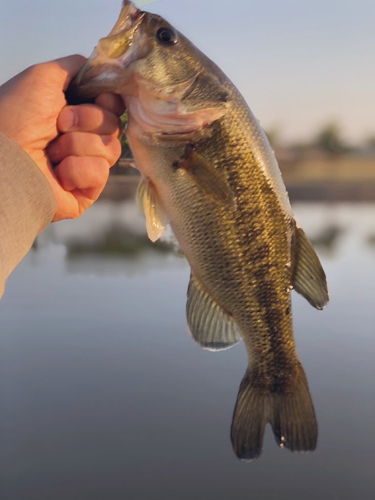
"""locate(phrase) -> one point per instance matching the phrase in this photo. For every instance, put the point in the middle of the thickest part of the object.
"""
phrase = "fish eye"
(166, 36)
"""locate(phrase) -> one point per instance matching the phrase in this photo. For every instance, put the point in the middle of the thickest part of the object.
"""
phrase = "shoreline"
(336, 180)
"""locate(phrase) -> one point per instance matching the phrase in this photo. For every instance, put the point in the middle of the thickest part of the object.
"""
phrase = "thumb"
(69, 66)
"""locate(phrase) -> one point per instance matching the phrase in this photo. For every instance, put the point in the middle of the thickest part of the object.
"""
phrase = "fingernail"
(68, 119)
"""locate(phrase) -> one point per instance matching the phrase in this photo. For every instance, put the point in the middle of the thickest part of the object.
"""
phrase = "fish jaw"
(107, 69)
(128, 13)
(115, 46)
(135, 59)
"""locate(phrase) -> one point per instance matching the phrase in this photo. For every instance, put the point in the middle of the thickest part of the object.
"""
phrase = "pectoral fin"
(156, 220)
(208, 179)
(309, 278)
(210, 326)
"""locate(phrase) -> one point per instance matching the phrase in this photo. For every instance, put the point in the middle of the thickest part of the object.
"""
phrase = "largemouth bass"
(209, 171)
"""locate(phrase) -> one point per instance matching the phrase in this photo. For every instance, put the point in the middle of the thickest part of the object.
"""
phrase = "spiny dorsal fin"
(156, 219)
(210, 326)
(309, 278)
(208, 178)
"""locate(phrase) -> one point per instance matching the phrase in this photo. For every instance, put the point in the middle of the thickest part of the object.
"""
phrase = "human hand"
(74, 146)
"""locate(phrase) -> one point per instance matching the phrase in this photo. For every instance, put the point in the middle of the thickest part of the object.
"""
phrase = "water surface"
(104, 395)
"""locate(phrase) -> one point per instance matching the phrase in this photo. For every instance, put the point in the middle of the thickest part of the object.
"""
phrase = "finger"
(88, 118)
(83, 173)
(111, 102)
(84, 144)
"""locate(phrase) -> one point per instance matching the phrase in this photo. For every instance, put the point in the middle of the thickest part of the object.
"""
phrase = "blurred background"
(305, 68)
(103, 394)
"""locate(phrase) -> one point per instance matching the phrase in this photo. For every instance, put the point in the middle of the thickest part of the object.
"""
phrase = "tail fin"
(291, 414)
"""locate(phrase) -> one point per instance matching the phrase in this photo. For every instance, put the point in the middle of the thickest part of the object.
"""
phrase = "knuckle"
(79, 58)
(102, 119)
(115, 150)
(102, 170)
(97, 117)
(85, 143)
(68, 163)
(103, 165)
(96, 172)
(35, 72)
(69, 144)
(31, 70)
(66, 170)
(69, 141)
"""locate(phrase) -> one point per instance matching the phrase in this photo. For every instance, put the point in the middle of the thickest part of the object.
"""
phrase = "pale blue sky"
(299, 63)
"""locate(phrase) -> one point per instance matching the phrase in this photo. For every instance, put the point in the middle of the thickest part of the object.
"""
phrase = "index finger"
(88, 118)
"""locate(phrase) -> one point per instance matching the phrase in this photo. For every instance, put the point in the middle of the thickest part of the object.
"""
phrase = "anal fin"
(210, 325)
(309, 278)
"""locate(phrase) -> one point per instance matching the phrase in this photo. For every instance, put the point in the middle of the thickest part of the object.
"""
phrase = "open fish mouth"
(129, 13)
(112, 55)
(121, 36)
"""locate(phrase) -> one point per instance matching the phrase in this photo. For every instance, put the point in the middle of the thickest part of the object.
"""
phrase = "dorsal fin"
(210, 325)
(309, 278)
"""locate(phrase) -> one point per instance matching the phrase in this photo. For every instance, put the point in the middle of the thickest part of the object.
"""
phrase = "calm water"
(104, 395)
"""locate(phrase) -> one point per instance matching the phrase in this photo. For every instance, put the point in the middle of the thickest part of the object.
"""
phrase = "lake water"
(104, 395)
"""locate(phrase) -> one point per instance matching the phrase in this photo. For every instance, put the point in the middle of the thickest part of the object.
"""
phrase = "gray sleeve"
(27, 205)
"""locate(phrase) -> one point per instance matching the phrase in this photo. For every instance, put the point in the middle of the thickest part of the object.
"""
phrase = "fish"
(209, 172)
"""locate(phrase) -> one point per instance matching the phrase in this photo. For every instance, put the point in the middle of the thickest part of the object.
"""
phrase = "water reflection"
(115, 228)
(328, 240)
(114, 232)
(117, 242)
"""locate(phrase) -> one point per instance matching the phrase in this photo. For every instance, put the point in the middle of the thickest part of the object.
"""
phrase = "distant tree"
(329, 139)
(370, 142)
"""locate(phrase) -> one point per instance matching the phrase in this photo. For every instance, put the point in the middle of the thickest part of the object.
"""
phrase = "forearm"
(27, 205)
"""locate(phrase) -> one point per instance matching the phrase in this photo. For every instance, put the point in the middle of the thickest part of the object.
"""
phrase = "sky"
(299, 63)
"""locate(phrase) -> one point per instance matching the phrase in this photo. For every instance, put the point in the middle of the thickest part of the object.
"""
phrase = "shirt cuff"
(27, 205)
